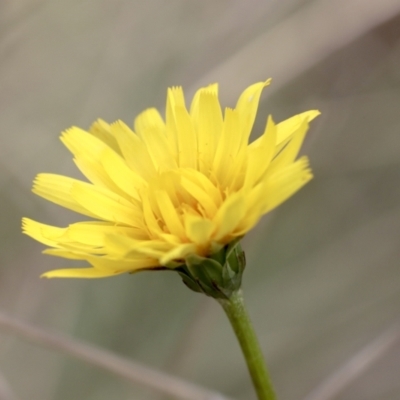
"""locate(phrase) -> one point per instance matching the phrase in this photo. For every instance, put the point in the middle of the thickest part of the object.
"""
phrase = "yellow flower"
(170, 189)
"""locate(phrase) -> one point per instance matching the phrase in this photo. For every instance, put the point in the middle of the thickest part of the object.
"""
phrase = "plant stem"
(241, 324)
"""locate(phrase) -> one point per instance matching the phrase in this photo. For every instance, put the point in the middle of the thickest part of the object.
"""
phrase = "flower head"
(170, 190)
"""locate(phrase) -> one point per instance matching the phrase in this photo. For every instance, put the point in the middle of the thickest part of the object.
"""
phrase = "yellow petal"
(229, 216)
(208, 122)
(74, 250)
(178, 253)
(102, 131)
(119, 265)
(201, 196)
(151, 223)
(79, 142)
(247, 106)
(123, 177)
(194, 106)
(58, 238)
(152, 130)
(149, 118)
(236, 173)
(229, 145)
(70, 254)
(290, 152)
(106, 204)
(80, 273)
(87, 150)
(203, 182)
(175, 98)
(128, 248)
(92, 233)
(187, 141)
(198, 229)
(134, 150)
(169, 214)
(260, 154)
(284, 184)
(170, 182)
(57, 189)
(255, 200)
(41, 232)
(287, 127)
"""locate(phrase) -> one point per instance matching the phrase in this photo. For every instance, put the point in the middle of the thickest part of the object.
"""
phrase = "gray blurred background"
(322, 282)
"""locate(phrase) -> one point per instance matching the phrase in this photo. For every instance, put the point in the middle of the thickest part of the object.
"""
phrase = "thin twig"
(353, 368)
(6, 392)
(109, 361)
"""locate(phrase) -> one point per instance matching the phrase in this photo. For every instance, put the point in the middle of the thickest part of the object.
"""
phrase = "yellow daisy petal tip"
(313, 114)
(173, 189)
(87, 273)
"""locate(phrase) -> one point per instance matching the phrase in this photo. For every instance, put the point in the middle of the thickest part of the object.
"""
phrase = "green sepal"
(218, 275)
(189, 282)
(236, 257)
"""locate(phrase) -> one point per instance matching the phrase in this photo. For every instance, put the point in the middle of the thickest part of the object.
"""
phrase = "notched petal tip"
(73, 130)
(99, 123)
(268, 82)
(311, 114)
(36, 181)
(24, 223)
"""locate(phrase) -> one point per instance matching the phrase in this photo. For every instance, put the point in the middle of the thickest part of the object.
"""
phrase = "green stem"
(240, 321)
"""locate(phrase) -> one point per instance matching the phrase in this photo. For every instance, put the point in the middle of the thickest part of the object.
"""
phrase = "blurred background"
(322, 282)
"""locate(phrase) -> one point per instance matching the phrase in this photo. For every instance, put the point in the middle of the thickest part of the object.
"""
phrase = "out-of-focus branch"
(353, 368)
(6, 392)
(109, 361)
(298, 43)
